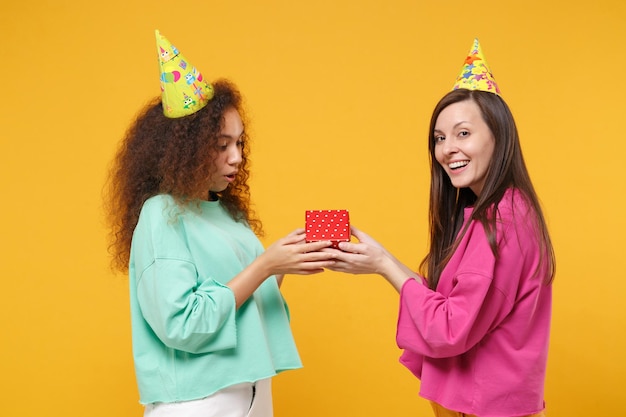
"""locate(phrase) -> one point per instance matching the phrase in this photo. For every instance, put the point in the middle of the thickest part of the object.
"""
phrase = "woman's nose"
(449, 147)
(234, 156)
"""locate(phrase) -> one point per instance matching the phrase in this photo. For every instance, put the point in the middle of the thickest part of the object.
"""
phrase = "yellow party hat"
(476, 74)
(184, 91)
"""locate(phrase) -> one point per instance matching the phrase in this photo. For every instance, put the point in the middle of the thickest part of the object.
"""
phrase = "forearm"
(248, 280)
(395, 272)
(406, 270)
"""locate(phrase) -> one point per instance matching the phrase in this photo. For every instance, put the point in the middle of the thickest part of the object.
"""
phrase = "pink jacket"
(479, 343)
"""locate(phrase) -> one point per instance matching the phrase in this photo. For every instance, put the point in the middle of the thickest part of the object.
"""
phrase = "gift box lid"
(333, 225)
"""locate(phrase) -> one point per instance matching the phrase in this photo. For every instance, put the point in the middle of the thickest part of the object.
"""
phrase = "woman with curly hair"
(209, 324)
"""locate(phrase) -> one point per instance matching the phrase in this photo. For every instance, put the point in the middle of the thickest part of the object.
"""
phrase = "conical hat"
(183, 88)
(475, 74)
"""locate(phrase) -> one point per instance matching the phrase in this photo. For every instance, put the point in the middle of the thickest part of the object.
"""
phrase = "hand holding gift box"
(332, 225)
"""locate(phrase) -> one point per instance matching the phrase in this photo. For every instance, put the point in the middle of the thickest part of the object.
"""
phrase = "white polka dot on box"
(333, 225)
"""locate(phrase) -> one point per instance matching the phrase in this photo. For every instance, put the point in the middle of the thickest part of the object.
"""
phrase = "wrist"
(260, 268)
(387, 267)
(395, 275)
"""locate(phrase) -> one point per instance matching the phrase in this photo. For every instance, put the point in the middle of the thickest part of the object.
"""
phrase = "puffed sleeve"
(466, 305)
(185, 317)
(185, 311)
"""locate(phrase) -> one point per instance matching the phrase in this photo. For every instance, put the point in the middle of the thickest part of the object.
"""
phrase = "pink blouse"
(479, 343)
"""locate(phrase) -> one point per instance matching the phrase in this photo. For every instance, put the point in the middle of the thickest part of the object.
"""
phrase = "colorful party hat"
(476, 74)
(184, 91)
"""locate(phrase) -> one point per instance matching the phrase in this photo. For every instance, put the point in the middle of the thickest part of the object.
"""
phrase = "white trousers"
(241, 400)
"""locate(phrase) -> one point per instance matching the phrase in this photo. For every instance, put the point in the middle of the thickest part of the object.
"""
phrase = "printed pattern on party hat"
(183, 88)
(475, 74)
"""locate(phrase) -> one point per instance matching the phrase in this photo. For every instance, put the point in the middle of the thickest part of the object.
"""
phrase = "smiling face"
(228, 152)
(464, 145)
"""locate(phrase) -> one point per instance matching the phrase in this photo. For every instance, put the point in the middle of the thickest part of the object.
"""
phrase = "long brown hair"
(506, 170)
(160, 155)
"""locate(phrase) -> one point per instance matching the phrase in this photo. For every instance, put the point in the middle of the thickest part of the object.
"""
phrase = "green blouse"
(189, 340)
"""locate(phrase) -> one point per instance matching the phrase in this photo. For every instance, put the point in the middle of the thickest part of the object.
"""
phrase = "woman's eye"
(439, 138)
(464, 133)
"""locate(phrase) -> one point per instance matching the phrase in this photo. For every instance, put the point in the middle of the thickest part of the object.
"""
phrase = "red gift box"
(333, 225)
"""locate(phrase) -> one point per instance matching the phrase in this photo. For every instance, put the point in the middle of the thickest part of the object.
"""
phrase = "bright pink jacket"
(479, 343)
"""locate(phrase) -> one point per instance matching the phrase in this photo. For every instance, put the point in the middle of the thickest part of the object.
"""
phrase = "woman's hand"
(369, 257)
(365, 257)
(367, 239)
(292, 255)
(289, 255)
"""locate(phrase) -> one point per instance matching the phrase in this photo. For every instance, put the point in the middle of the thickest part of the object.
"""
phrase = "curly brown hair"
(160, 155)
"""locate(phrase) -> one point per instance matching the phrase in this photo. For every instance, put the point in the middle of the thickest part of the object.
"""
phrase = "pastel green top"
(189, 340)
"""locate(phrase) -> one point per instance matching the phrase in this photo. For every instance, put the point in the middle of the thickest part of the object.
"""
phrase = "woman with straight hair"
(474, 323)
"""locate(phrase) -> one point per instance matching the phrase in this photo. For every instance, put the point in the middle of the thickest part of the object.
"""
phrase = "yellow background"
(340, 94)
